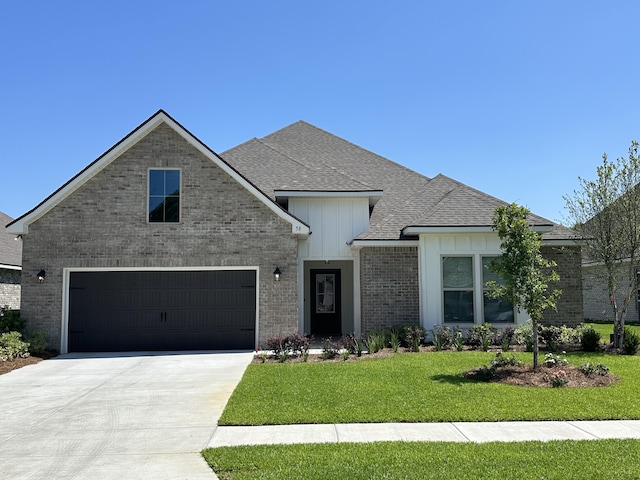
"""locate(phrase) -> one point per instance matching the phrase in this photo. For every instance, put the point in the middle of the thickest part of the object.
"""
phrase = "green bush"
(330, 349)
(590, 369)
(481, 335)
(12, 346)
(376, 341)
(523, 335)
(551, 337)
(442, 337)
(37, 342)
(414, 336)
(11, 321)
(631, 342)
(590, 340)
(285, 346)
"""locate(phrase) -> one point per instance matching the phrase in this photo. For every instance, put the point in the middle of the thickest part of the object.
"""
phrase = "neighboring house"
(162, 244)
(10, 265)
(597, 303)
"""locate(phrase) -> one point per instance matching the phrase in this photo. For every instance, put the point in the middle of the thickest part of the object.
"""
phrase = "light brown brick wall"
(389, 287)
(10, 288)
(104, 224)
(596, 300)
(569, 268)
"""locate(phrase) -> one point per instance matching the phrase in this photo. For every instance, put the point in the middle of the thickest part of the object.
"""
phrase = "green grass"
(594, 459)
(606, 329)
(425, 387)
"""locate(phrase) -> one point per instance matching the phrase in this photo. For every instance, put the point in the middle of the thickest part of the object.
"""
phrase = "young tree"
(525, 272)
(606, 212)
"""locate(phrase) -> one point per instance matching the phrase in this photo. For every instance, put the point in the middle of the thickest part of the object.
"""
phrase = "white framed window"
(495, 310)
(458, 289)
(164, 195)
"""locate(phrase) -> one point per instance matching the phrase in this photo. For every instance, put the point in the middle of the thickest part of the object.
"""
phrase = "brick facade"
(569, 268)
(104, 224)
(10, 288)
(597, 304)
(389, 287)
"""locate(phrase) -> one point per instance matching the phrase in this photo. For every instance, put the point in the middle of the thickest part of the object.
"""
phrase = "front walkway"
(425, 432)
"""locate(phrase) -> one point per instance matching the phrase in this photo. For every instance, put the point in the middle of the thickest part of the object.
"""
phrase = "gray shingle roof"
(10, 249)
(304, 157)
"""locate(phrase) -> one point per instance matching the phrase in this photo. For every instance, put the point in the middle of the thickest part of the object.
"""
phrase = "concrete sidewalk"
(425, 432)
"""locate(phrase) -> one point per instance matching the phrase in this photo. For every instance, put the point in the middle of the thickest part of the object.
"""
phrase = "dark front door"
(326, 315)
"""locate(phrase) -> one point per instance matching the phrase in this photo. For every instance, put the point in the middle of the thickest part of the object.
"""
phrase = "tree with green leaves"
(606, 212)
(526, 274)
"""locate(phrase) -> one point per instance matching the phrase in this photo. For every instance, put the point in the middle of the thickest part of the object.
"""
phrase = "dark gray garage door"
(162, 310)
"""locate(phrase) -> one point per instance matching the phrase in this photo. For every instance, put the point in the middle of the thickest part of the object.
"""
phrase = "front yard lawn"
(422, 387)
(592, 459)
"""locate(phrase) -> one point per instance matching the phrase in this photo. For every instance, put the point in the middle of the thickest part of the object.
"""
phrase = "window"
(496, 310)
(457, 286)
(164, 196)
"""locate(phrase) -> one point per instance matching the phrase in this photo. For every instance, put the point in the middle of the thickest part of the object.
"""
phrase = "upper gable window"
(164, 196)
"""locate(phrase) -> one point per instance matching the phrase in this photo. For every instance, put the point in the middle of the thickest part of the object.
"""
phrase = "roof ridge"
(273, 147)
(315, 127)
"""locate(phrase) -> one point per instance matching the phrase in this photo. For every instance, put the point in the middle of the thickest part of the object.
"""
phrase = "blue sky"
(515, 98)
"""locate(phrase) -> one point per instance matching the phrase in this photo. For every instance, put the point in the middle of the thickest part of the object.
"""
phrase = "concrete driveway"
(115, 416)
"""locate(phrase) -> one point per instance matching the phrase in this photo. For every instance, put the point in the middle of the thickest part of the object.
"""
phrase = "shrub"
(590, 339)
(442, 337)
(458, 340)
(485, 374)
(414, 336)
(559, 379)
(523, 335)
(553, 360)
(330, 349)
(571, 336)
(631, 342)
(12, 346)
(590, 369)
(352, 343)
(376, 341)
(395, 341)
(10, 320)
(503, 360)
(551, 337)
(504, 338)
(481, 335)
(284, 346)
(37, 342)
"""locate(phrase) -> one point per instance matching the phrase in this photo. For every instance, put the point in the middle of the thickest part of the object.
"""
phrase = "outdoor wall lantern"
(41, 275)
(276, 274)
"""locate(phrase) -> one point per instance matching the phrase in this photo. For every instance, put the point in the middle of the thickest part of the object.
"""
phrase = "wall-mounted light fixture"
(276, 274)
(41, 275)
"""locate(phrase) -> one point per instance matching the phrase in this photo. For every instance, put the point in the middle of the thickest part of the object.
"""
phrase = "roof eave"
(418, 229)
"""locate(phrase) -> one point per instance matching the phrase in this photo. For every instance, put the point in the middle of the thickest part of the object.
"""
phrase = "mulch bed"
(522, 375)
(6, 367)
(525, 376)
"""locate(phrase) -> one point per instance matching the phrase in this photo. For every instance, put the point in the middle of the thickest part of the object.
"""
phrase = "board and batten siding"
(334, 222)
(432, 249)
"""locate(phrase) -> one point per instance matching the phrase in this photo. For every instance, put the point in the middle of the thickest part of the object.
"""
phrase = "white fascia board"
(297, 226)
(10, 267)
(372, 195)
(21, 226)
(357, 244)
